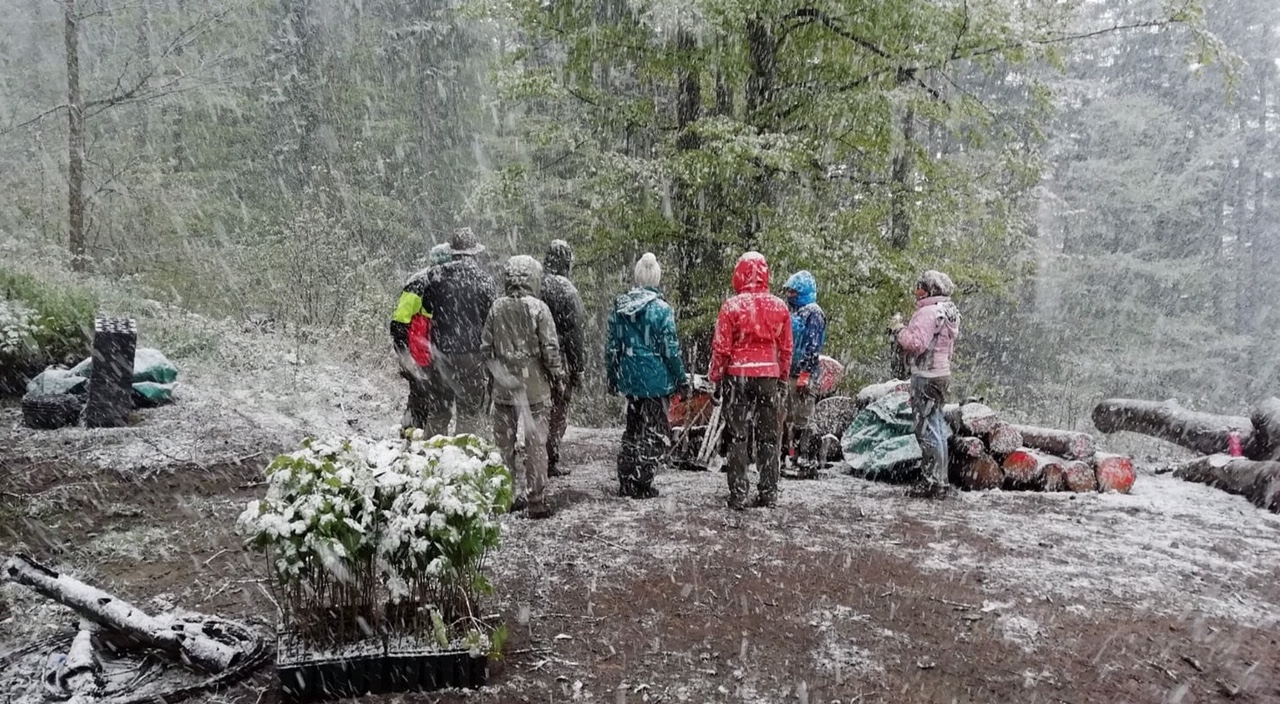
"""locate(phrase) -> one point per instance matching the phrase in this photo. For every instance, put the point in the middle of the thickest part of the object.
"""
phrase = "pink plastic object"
(1233, 444)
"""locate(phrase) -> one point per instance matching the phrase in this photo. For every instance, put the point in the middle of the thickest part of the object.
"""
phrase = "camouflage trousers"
(752, 422)
(529, 477)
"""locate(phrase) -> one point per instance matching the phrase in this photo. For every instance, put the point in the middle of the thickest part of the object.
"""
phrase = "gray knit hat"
(936, 283)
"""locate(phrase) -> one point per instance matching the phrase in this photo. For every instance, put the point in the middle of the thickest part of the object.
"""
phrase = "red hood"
(751, 275)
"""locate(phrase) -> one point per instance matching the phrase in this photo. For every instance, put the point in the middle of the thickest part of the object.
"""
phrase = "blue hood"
(805, 286)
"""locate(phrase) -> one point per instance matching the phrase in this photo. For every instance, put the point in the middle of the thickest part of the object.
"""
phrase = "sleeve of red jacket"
(785, 345)
(721, 345)
(915, 337)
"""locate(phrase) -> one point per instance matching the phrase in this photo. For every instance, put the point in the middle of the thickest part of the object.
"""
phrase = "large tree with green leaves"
(861, 140)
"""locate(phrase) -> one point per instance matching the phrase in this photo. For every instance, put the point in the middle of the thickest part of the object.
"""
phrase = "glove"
(895, 324)
(575, 380)
(409, 370)
(802, 384)
(717, 394)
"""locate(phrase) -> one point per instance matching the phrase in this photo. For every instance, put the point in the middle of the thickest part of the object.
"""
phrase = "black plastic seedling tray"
(303, 680)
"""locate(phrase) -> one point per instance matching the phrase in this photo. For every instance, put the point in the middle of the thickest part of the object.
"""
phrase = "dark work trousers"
(424, 400)
(557, 423)
(460, 379)
(644, 444)
(752, 420)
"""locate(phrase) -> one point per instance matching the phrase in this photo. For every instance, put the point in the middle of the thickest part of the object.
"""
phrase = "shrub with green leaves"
(389, 537)
(42, 323)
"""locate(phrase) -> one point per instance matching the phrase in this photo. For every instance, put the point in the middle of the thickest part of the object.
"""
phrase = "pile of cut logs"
(1242, 454)
(988, 453)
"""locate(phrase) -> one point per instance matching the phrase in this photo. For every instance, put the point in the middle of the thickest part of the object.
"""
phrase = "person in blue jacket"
(642, 362)
(809, 332)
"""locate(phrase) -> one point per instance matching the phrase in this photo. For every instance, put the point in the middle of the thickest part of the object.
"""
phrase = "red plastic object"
(1234, 447)
(693, 411)
(829, 374)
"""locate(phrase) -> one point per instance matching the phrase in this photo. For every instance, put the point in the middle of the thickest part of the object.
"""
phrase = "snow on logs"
(971, 466)
(987, 452)
(1257, 481)
(1114, 472)
(1067, 444)
(1004, 438)
(1078, 476)
(188, 647)
(1205, 433)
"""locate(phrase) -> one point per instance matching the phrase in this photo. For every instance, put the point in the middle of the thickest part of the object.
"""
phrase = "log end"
(1079, 477)
(1115, 473)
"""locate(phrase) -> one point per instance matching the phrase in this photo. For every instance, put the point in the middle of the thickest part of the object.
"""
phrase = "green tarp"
(879, 443)
(153, 378)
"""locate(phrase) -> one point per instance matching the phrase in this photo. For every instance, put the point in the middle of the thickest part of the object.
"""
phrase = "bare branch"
(809, 15)
(140, 88)
(32, 121)
(975, 52)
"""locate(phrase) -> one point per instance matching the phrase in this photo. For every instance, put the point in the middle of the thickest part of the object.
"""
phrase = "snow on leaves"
(417, 516)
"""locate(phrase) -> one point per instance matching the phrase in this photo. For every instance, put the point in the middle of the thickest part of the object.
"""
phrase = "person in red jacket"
(750, 361)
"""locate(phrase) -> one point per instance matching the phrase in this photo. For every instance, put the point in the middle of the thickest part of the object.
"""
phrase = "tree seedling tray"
(376, 670)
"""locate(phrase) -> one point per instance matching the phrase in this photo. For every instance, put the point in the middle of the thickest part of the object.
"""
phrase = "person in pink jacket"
(927, 341)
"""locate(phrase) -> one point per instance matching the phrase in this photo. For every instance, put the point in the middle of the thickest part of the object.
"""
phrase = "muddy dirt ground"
(847, 592)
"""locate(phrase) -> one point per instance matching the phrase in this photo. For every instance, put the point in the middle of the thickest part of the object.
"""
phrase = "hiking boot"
(557, 472)
(766, 502)
(807, 469)
(648, 492)
(518, 505)
(929, 490)
(737, 504)
(539, 512)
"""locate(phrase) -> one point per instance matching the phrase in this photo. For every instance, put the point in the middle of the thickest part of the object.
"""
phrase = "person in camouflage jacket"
(519, 345)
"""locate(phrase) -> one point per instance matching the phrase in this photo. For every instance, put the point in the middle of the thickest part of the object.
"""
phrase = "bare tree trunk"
(142, 137)
(762, 46)
(902, 184)
(75, 139)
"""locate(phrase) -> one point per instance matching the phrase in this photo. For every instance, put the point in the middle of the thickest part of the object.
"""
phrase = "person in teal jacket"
(642, 362)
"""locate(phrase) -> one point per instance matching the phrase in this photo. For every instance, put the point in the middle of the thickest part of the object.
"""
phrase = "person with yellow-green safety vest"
(411, 340)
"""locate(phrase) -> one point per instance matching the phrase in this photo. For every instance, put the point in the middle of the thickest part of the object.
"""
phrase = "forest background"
(1095, 175)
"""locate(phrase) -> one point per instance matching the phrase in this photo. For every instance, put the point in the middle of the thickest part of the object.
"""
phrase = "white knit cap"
(648, 272)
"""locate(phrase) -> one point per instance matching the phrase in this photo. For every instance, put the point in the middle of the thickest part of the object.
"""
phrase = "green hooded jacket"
(519, 338)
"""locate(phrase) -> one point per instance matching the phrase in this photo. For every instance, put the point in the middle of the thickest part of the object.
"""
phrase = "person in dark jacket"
(927, 341)
(459, 295)
(411, 340)
(561, 296)
(808, 333)
(520, 347)
(642, 362)
(750, 359)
